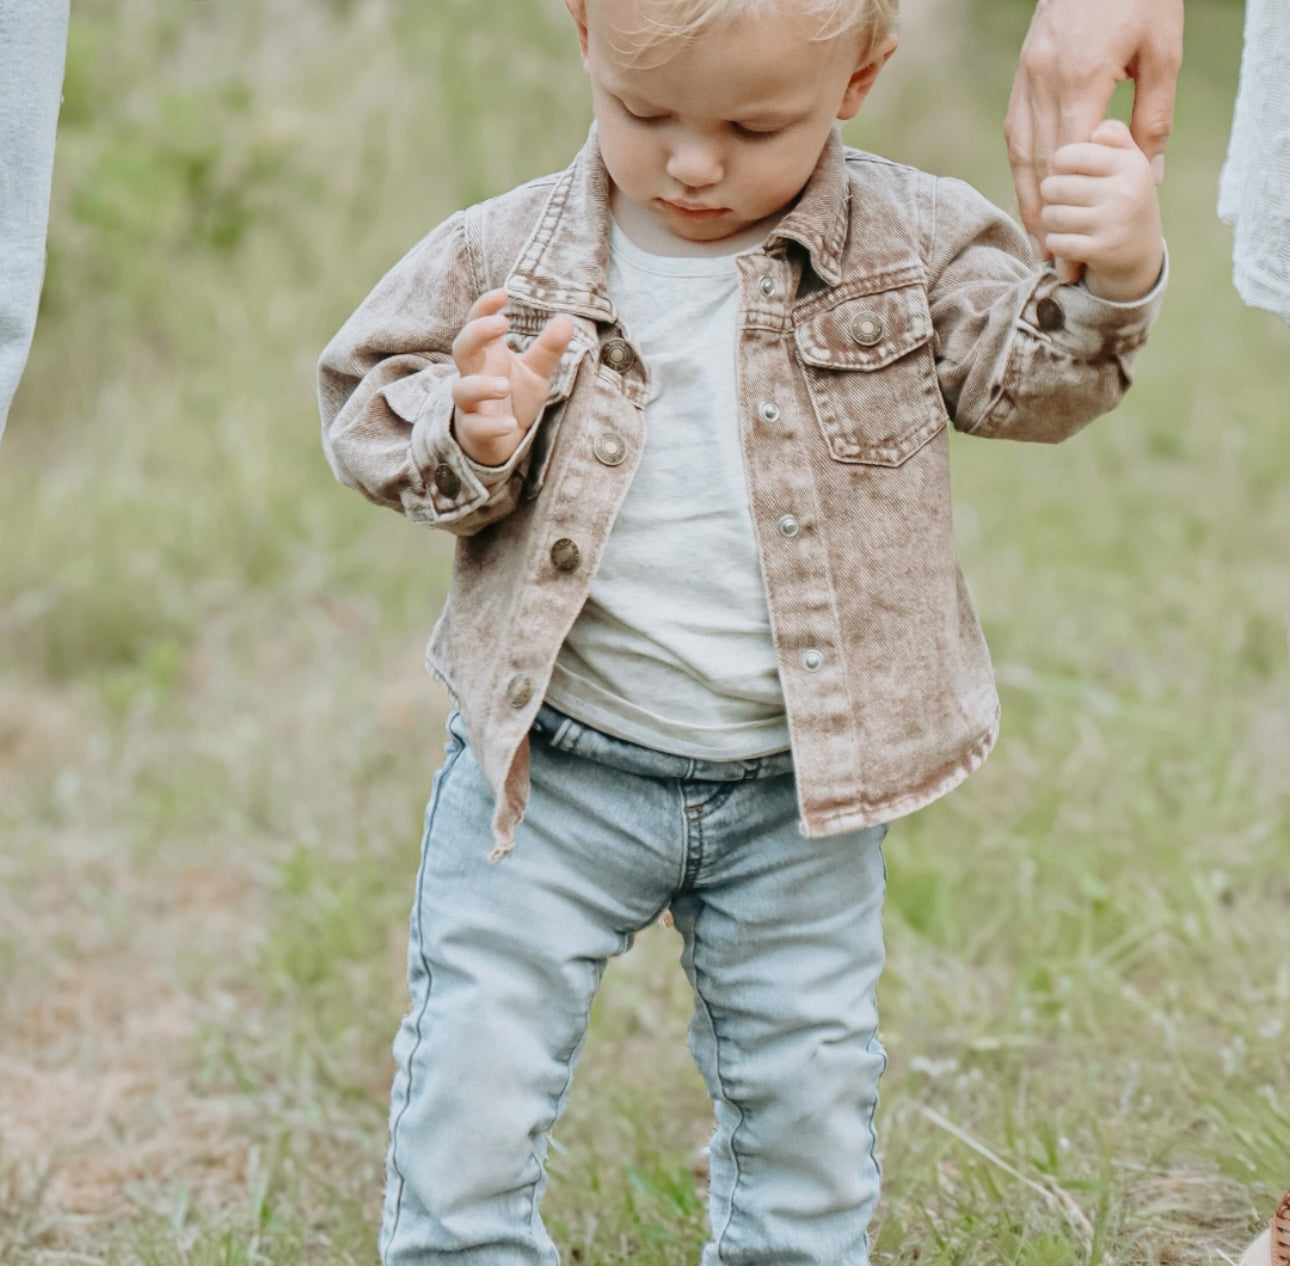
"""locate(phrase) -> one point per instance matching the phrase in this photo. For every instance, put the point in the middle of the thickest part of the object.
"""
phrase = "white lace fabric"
(1254, 195)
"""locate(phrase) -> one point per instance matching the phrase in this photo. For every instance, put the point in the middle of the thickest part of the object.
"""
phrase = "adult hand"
(1074, 55)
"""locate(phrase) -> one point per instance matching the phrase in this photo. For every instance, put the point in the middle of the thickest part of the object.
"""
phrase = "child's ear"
(578, 12)
(862, 79)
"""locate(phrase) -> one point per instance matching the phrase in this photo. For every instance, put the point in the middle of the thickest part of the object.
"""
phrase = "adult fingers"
(1019, 130)
(1153, 103)
(1052, 105)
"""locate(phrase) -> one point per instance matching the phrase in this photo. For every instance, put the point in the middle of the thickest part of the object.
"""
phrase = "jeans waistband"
(567, 735)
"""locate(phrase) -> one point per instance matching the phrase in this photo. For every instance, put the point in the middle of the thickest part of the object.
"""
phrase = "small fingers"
(543, 354)
(1072, 191)
(470, 345)
(489, 302)
(1070, 247)
(473, 390)
(1114, 133)
(487, 438)
(480, 429)
(1087, 158)
(1059, 218)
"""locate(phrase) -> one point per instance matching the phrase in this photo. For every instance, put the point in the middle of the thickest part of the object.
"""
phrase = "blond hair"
(664, 21)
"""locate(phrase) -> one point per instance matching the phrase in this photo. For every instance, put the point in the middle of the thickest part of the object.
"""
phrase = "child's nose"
(694, 164)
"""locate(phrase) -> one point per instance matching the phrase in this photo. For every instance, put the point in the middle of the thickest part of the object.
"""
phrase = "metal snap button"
(812, 660)
(519, 690)
(609, 448)
(766, 284)
(565, 555)
(1049, 315)
(867, 329)
(447, 480)
(768, 411)
(617, 354)
(789, 525)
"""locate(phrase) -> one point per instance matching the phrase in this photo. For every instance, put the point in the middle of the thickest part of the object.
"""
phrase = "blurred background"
(216, 738)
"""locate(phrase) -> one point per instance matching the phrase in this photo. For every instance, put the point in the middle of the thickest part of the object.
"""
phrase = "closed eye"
(754, 133)
(640, 118)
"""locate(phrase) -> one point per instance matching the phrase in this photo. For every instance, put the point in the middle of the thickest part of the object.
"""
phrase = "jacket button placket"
(565, 555)
(609, 448)
(519, 690)
(618, 355)
(797, 568)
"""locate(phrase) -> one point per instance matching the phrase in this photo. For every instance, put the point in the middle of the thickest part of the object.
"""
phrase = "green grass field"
(216, 737)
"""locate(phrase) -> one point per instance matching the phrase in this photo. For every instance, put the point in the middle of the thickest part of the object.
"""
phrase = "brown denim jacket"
(886, 304)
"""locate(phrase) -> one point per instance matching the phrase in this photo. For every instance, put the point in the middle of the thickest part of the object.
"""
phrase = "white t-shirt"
(1255, 192)
(673, 649)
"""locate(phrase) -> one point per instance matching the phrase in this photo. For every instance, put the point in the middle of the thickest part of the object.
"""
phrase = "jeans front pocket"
(871, 372)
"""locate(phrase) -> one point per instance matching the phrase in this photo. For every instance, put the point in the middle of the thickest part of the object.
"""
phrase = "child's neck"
(645, 232)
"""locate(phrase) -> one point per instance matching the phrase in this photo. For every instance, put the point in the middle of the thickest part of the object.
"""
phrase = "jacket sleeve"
(1020, 355)
(385, 393)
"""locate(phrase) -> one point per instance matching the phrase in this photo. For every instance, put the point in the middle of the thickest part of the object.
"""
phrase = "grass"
(215, 736)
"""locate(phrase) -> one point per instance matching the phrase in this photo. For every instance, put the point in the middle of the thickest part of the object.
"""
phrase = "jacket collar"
(819, 220)
(563, 264)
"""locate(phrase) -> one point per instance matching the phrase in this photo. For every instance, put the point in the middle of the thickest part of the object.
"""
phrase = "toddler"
(685, 406)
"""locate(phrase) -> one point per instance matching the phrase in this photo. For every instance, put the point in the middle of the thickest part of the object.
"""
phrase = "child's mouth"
(692, 213)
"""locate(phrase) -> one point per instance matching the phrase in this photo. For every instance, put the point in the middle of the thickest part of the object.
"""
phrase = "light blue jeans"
(782, 945)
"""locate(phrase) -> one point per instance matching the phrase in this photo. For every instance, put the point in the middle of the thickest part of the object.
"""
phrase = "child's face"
(717, 133)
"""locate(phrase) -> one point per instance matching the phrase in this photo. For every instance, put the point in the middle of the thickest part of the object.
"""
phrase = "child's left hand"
(1100, 210)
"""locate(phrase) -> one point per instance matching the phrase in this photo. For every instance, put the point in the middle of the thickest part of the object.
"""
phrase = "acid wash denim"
(782, 944)
(886, 304)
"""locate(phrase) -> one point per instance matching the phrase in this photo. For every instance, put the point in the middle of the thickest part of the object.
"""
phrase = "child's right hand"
(501, 392)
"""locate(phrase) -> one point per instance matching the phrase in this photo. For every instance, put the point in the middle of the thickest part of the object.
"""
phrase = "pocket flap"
(407, 396)
(866, 331)
(526, 325)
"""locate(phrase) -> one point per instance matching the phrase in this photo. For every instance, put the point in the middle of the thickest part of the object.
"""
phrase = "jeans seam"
(560, 1100)
(425, 1003)
(718, 1235)
(874, 1044)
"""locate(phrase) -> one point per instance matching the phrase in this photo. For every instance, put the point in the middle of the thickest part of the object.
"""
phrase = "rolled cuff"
(1087, 326)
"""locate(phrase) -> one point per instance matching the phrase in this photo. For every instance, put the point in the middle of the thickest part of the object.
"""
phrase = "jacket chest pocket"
(524, 329)
(871, 373)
